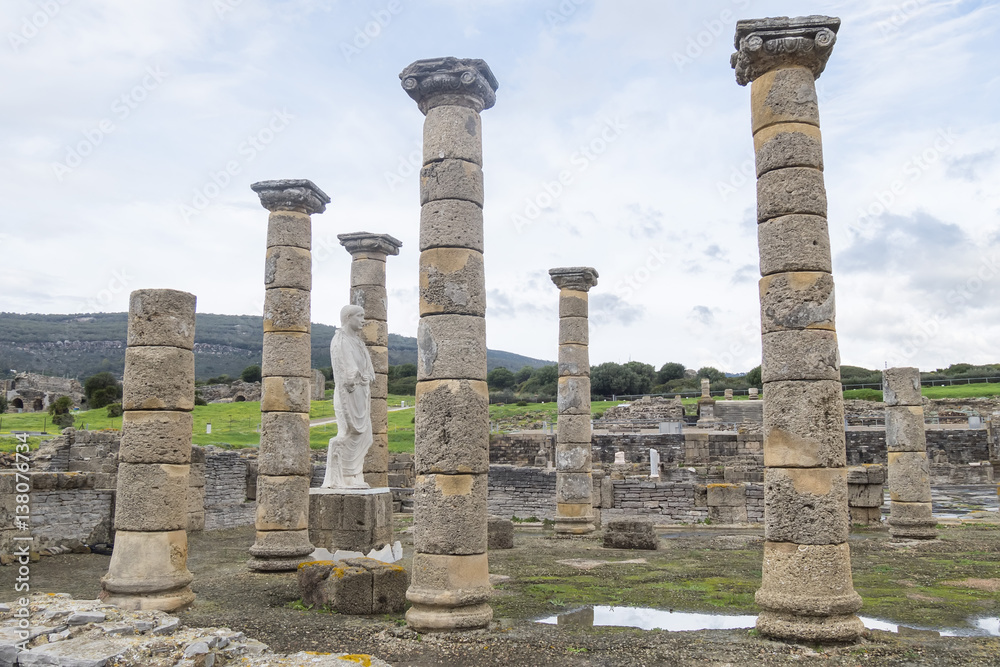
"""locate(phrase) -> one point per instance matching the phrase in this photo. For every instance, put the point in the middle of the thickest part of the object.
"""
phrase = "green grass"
(982, 389)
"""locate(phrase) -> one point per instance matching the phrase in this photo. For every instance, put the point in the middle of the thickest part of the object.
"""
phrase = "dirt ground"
(941, 584)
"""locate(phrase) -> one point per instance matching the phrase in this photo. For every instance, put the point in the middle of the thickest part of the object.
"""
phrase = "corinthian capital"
(298, 194)
(579, 278)
(466, 82)
(766, 44)
(356, 242)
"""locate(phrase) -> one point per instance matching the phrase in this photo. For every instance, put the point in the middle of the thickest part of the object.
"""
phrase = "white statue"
(352, 375)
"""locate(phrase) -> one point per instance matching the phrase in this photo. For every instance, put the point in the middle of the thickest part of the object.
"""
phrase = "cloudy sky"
(131, 131)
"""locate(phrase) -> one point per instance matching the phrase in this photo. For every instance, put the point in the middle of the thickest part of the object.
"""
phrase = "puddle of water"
(677, 621)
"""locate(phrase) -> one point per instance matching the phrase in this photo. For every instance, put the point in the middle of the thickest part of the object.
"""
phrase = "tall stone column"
(450, 586)
(807, 592)
(368, 255)
(148, 568)
(574, 484)
(910, 513)
(284, 465)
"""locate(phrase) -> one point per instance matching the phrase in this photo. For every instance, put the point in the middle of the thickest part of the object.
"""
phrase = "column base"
(147, 564)
(350, 519)
(574, 519)
(429, 618)
(845, 628)
(169, 601)
(913, 521)
(280, 550)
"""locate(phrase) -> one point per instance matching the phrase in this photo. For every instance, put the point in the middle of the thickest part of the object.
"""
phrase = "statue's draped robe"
(346, 455)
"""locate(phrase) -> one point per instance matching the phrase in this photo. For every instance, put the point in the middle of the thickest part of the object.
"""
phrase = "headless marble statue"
(352, 375)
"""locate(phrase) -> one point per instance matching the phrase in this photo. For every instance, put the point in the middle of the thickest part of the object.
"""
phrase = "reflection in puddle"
(676, 621)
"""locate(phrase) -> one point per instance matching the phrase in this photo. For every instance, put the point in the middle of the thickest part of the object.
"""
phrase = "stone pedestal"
(350, 519)
(284, 467)
(910, 513)
(148, 568)
(806, 592)
(450, 589)
(574, 483)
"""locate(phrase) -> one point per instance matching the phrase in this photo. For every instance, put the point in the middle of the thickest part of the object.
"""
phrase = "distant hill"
(78, 346)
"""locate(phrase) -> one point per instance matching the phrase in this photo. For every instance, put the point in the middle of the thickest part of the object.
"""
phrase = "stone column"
(284, 466)
(574, 485)
(368, 255)
(706, 406)
(450, 588)
(910, 513)
(148, 568)
(806, 591)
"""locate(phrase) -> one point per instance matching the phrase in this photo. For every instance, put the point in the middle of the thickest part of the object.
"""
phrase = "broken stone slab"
(630, 534)
(355, 586)
(500, 533)
(80, 652)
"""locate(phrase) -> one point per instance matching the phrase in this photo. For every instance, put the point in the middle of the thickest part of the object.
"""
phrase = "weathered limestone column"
(148, 568)
(574, 485)
(368, 255)
(807, 592)
(284, 467)
(910, 513)
(450, 586)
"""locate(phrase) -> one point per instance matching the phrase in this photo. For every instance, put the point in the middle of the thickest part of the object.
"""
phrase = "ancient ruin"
(806, 592)
(450, 586)
(910, 514)
(284, 469)
(148, 568)
(31, 392)
(574, 484)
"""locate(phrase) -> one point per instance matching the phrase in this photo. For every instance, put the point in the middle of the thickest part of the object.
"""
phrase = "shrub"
(102, 389)
(251, 374)
(115, 410)
(521, 404)
(64, 420)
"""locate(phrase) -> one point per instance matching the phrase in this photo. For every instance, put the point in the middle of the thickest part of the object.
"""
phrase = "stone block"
(367, 271)
(377, 457)
(451, 347)
(346, 588)
(876, 472)
(286, 309)
(375, 333)
(288, 267)
(909, 477)
(788, 145)
(389, 583)
(286, 354)
(794, 190)
(808, 580)
(574, 429)
(804, 424)
(500, 533)
(290, 228)
(726, 495)
(163, 317)
(282, 503)
(865, 495)
(573, 303)
(574, 395)
(196, 476)
(352, 522)
(451, 223)
(453, 132)
(806, 505)
(573, 457)
(574, 360)
(784, 95)
(728, 515)
(285, 394)
(800, 300)
(449, 514)
(379, 387)
(630, 534)
(452, 280)
(451, 179)
(284, 444)
(374, 299)
(449, 580)
(911, 520)
(901, 386)
(452, 425)
(810, 354)
(904, 429)
(151, 497)
(158, 378)
(574, 487)
(380, 358)
(794, 243)
(866, 515)
(148, 562)
(574, 331)
(156, 436)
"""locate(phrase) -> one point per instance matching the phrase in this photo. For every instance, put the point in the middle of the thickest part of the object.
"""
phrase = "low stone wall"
(956, 446)
(521, 449)
(225, 491)
(79, 451)
(522, 492)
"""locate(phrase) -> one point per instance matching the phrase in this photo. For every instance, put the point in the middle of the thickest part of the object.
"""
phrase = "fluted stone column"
(574, 484)
(450, 586)
(910, 513)
(807, 592)
(284, 465)
(148, 568)
(368, 255)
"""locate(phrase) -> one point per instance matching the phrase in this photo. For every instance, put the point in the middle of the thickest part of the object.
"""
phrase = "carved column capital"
(466, 82)
(291, 194)
(766, 44)
(579, 278)
(359, 242)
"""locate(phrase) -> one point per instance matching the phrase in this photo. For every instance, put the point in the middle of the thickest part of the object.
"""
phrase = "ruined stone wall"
(226, 504)
(520, 449)
(522, 492)
(954, 446)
